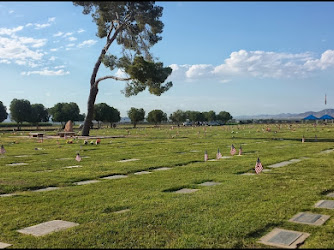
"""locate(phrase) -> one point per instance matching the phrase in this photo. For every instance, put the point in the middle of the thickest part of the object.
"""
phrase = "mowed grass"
(234, 214)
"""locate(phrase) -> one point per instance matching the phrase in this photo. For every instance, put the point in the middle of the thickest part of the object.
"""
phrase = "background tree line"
(158, 116)
(22, 110)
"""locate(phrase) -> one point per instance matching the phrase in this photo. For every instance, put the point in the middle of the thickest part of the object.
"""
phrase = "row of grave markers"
(293, 239)
(278, 237)
(58, 225)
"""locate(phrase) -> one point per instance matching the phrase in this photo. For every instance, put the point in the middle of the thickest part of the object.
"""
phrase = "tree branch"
(111, 77)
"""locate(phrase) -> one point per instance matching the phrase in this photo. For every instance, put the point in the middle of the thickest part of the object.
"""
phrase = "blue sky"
(246, 58)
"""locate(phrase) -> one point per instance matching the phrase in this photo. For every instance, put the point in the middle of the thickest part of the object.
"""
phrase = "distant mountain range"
(287, 115)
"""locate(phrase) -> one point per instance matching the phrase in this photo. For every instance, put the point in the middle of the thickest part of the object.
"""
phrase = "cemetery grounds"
(142, 209)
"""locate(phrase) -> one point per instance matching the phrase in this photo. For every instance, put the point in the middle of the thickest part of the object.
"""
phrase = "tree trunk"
(90, 110)
(94, 84)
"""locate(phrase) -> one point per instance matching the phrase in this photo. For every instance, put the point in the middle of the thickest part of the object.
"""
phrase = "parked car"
(214, 123)
(187, 124)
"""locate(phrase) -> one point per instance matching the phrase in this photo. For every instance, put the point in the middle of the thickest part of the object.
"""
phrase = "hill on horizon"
(288, 115)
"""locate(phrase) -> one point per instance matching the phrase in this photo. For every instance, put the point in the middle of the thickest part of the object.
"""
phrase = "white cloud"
(51, 19)
(199, 70)
(59, 67)
(81, 30)
(120, 73)
(46, 72)
(20, 62)
(54, 49)
(260, 64)
(68, 34)
(14, 49)
(11, 11)
(71, 38)
(41, 26)
(4, 61)
(52, 58)
(5, 31)
(326, 60)
(29, 24)
(44, 25)
(35, 43)
(59, 33)
(87, 43)
(70, 45)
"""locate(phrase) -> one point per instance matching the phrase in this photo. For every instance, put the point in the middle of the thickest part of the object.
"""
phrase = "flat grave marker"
(47, 227)
(209, 183)
(63, 159)
(76, 166)
(46, 189)
(161, 169)
(330, 194)
(284, 238)
(7, 195)
(280, 164)
(19, 156)
(304, 158)
(186, 191)
(326, 151)
(112, 177)
(142, 172)
(4, 245)
(86, 182)
(295, 160)
(310, 218)
(122, 211)
(17, 164)
(128, 160)
(325, 204)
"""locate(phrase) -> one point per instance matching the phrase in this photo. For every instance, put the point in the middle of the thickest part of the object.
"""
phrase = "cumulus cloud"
(59, 67)
(5, 31)
(68, 34)
(87, 43)
(326, 60)
(52, 58)
(199, 70)
(71, 38)
(35, 43)
(44, 25)
(59, 33)
(51, 19)
(46, 72)
(81, 30)
(4, 61)
(13, 49)
(259, 64)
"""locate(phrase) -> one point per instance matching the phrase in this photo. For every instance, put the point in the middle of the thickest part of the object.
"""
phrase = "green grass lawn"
(234, 214)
